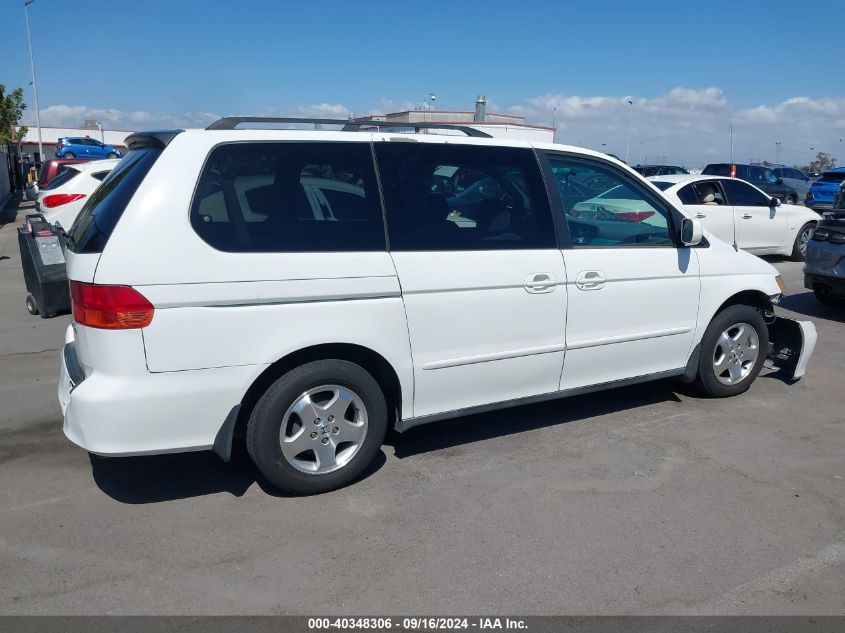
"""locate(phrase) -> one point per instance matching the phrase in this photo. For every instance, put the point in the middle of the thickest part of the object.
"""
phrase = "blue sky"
(156, 61)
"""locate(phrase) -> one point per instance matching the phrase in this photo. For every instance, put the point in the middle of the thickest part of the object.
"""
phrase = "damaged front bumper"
(791, 343)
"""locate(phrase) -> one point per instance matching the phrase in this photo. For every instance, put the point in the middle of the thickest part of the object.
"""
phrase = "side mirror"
(691, 232)
(779, 181)
(774, 202)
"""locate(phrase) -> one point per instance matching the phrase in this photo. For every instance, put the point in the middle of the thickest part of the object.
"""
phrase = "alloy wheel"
(736, 353)
(323, 429)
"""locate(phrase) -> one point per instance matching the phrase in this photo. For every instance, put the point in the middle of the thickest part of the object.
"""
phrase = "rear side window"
(289, 197)
(100, 215)
(64, 177)
(463, 197)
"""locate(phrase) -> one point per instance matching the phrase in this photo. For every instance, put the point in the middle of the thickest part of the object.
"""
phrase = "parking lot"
(647, 499)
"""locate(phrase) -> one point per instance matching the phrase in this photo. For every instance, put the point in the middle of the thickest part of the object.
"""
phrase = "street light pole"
(628, 138)
(26, 4)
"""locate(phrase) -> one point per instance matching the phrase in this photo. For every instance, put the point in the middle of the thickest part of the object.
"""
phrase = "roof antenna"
(733, 175)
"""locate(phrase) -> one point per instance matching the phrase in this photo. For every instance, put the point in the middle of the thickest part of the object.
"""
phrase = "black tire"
(31, 305)
(797, 255)
(264, 426)
(69, 155)
(790, 199)
(824, 296)
(112, 155)
(706, 380)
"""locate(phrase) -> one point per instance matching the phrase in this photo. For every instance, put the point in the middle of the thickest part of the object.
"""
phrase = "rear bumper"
(150, 413)
(836, 284)
(793, 343)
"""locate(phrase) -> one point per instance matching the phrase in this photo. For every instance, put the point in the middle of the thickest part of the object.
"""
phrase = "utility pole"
(26, 4)
(628, 136)
(778, 147)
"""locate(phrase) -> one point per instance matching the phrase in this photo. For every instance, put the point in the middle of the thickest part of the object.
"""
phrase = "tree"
(11, 110)
(822, 163)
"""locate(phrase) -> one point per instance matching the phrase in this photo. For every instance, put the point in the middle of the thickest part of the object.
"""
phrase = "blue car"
(824, 189)
(84, 147)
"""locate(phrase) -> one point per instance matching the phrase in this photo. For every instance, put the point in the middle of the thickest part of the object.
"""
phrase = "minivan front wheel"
(733, 350)
(317, 427)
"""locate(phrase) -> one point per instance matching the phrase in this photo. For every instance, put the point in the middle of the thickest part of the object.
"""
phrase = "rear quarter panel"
(220, 309)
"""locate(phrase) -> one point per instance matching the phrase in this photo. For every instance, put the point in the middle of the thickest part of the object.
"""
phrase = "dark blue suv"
(84, 147)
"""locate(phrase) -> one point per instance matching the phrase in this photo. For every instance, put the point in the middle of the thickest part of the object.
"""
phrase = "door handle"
(700, 215)
(590, 280)
(537, 283)
(747, 216)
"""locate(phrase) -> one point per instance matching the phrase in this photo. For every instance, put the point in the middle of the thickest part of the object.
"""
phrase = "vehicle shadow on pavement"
(479, 427)
(806, 303)
(159, 478)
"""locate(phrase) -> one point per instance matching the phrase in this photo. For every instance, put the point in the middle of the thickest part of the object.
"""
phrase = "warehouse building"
(498, 125)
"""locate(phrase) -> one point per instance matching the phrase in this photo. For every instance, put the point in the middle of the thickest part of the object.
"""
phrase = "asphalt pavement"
(646, 500)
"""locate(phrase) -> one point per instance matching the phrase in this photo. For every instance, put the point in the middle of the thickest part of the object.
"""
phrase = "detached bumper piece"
(792, 344)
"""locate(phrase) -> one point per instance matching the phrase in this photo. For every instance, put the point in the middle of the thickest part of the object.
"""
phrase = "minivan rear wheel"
(733, 350)
(317, 427)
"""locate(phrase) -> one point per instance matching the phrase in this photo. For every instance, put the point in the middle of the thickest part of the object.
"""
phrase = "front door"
(633, 293)
(483, 283)
(761, 228)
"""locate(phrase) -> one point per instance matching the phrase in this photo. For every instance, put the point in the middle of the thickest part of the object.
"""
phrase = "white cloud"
(691, 126)
(112, 118)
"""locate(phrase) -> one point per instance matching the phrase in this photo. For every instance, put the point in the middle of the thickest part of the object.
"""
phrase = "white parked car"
(307, 289)
(63, 199)
(739, 213)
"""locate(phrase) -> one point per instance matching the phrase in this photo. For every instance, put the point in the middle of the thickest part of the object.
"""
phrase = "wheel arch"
(373, 362)
(749, 297)
(754, 298)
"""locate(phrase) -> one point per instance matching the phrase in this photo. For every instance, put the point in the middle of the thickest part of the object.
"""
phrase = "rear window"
(717, 170)
(64, 177)
(101, 213)
(289, 197)
(833, 176)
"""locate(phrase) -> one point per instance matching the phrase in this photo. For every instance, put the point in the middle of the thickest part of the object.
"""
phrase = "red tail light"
(634, 216)
(58, 199)
(110, 307)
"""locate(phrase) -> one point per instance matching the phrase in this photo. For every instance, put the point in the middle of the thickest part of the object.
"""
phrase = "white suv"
(306, 289)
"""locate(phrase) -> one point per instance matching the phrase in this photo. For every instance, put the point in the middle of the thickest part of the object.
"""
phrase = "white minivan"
(307, 289)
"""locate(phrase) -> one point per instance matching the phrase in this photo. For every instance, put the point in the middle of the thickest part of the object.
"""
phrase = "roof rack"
(349, 125)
